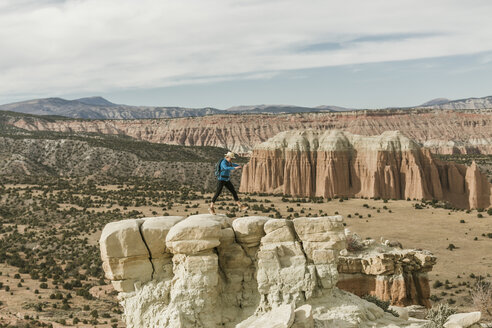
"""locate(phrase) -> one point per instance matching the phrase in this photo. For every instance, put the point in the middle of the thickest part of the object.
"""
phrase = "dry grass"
(482, 297)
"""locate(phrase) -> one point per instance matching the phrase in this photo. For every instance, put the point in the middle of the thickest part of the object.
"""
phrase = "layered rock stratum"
(333, 163)
(442, 131)
(215, 271)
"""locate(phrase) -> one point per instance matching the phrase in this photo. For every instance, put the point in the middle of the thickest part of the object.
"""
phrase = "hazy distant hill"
(273, 109)
(437, 101)
(468, 103)
(100, 108)
(96, 101)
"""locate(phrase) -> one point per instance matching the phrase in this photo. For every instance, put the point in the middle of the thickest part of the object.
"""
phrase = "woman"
(223, 179)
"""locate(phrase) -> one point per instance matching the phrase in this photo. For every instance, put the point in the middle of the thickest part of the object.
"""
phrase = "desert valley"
(245, 164)
(398, 200)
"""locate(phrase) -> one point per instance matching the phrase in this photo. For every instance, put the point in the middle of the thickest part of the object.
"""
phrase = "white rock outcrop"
(462, 320)
(213, 271)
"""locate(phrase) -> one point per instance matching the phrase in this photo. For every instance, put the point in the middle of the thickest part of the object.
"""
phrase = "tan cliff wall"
(334, 163)
(442, 131)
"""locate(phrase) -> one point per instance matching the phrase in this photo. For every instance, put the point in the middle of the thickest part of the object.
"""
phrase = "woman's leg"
(220, 185)
(230, 186)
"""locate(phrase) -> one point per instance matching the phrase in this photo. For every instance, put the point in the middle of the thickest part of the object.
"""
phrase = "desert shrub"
(437, 284)
(380, 303)
(438, 315)
(489, 211)
(434, 298)
(482, 296)
(451, 247)
(354, 244)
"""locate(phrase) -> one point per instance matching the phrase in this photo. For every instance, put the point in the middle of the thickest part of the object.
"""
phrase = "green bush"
(380, 303)
(438, 315)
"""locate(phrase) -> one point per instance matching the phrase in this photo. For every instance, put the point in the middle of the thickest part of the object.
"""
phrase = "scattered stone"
(462, 320)
(402, 311)
(303, 317)
(280, 317)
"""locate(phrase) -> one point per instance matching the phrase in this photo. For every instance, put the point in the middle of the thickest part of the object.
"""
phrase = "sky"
(223, 53)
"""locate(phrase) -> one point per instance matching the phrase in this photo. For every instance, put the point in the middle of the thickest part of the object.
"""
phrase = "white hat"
(230, 154)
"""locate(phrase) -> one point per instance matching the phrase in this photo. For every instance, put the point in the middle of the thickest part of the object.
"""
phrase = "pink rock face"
(442, 131)
(334, 163)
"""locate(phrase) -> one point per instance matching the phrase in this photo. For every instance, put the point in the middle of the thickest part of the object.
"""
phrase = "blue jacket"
(225, 170)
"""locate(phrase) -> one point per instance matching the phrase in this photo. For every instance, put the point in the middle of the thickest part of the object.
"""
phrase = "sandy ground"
(429, 228)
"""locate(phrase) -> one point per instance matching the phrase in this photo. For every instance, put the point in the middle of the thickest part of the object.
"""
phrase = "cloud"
(58, 47)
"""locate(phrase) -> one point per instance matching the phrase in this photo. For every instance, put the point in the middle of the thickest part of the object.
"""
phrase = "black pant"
(228, 185)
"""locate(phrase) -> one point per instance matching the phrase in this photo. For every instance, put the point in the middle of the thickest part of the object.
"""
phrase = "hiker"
(223, 173)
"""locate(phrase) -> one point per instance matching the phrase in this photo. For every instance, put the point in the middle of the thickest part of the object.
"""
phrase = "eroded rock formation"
(399, 276)
(213, 271)
(333, 163)
(444, 131)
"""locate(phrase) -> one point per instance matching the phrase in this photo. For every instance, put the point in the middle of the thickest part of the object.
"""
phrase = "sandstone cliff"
(213, 271)
(445, 132)
(399, 276)
(334, 163)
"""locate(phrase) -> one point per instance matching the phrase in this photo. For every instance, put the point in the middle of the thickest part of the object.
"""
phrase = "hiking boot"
(211, 210)
(243, 207)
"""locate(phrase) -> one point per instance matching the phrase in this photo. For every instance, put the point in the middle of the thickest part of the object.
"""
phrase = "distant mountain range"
(100, 108)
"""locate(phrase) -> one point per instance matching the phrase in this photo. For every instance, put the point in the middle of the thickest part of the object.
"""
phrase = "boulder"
(122, 239)
(402, 311)
(416, 311)
(462, 320)
(124, 286)
(136, 267)
(321, 234)
(319, 229)
(278, 231)
(280, 317)
(195, 234)
(124, 253)
(274, 224)
(249, 230)
(303, 317)
(154, 231)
